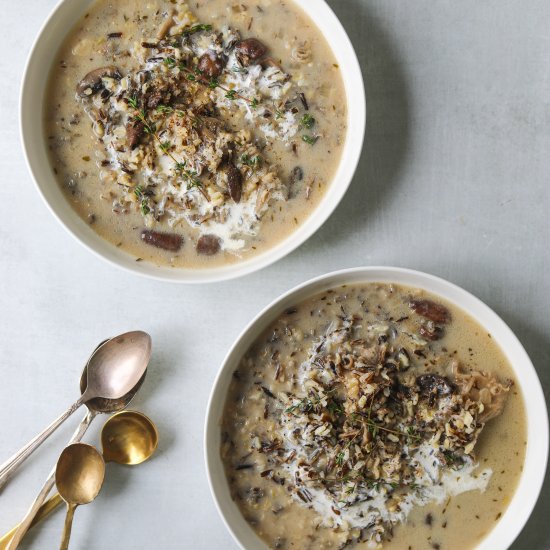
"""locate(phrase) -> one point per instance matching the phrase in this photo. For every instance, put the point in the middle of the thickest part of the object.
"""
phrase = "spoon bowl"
(79, 473)
(105, 405)
(128, 437)
(117, 366)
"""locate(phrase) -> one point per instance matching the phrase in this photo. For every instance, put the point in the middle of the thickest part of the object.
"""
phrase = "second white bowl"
(527, 492)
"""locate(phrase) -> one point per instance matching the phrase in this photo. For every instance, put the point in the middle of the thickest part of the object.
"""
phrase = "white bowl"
(527, 492)
(64, 16)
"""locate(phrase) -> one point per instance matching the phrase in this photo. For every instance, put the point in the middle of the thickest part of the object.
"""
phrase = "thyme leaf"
(311, 140)
(197, 28)
(253, 162)
(170, 62)
(164, 109)
(308, 121)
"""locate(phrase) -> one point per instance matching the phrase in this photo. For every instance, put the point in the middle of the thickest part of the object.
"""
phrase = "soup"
(198, 134)
(373, 415)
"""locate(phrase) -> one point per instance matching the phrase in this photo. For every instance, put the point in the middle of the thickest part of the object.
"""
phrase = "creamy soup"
(374, 416)
(195, 134)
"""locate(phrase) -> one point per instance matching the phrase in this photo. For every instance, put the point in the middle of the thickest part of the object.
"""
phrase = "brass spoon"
(95, 406)
(127, 438)
(79, 476)
(113, 370)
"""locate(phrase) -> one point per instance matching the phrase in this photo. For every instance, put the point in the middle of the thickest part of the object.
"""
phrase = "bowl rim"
(532, 477)
(344, 51)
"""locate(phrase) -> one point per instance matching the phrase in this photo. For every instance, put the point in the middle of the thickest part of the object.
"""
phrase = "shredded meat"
(484, 387)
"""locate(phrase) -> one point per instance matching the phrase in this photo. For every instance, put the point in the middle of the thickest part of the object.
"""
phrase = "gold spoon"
(79, 476)
(127, 438)
(95, 407)
(113, 370)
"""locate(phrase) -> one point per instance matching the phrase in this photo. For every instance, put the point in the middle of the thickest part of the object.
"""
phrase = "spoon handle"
(12, 464)
(36, 508)
(45, 510)
(68, 526)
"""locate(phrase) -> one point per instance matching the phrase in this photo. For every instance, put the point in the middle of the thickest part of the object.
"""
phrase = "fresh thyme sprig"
(340, 456)
(190, 176)
(308, 403)
(197, 28)
(144, 203)
(374, 427)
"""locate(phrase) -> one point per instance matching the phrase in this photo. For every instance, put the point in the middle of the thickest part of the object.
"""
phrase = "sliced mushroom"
(432, 311)
(249, 50)
(92, 82)
(211, 64)
(134, 130)
(208, 245)
(166, 241)
(234, 182)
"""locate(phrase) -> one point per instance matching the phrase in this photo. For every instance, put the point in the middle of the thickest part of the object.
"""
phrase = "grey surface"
(454, 180)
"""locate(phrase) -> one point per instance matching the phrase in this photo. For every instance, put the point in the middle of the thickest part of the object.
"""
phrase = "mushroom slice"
(92, 82)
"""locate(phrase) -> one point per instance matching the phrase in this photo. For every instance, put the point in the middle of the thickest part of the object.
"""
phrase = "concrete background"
(454, 180)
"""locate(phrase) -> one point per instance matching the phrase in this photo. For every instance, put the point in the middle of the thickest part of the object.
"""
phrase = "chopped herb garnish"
(170, 62)
(144, 204)
(308, 121)
(197, 28)
(253, 162)
(311, 140)
(190, 176)
(164, 109)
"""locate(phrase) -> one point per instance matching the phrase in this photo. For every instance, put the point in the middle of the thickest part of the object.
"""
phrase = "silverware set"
(111, 378)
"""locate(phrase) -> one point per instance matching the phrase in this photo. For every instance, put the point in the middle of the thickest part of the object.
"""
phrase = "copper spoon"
(113, 370)
(127, 438)
(95, 406)
(79, 476)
